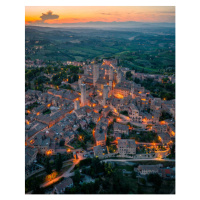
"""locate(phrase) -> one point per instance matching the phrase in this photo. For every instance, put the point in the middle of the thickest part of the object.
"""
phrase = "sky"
(43, 15)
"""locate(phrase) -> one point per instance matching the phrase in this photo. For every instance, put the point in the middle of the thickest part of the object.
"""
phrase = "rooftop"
(126, 143)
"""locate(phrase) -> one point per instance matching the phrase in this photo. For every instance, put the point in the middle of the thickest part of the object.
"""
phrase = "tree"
(69, 79)
(123, 136)
(47, 111)
(83, 145)
(139, 190)
(156, 180)
(137, 80)
(165, 80)
(48, 168)
(143, 181)
(80, 129)
(124, 112)
(96, 167)
(173, 150)
(75, 77)
(108, 141)
(33, 183)
(108, 169)
(165, 115)
(92, 140)
(129, 124)
(128, 74)
(172, 155)
(77, 177)
(38, 190)
(133, 174)
(59, 162)
(62, 142)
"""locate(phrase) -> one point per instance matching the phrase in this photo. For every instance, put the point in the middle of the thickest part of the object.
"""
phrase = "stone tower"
(111, 84)
(83, 94)
(119, 76)
(80, 81)
(105, 94)
(95, 74)
(85, 70)
(111, 74)
(76, 105)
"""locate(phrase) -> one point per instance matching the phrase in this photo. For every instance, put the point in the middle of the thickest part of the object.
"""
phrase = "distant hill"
(99, 24)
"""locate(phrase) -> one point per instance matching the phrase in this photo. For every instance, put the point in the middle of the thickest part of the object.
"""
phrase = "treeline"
(163, 90)
(108, 180)
(35, 77)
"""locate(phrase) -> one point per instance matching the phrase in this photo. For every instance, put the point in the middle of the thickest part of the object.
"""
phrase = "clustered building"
(126, 147)
(118, 95)
(101, 95)
(164, 172)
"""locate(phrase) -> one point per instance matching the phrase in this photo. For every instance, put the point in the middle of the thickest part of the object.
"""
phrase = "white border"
(187, 97)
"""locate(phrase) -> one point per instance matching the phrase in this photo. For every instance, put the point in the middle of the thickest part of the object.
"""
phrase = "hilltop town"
(100, 114)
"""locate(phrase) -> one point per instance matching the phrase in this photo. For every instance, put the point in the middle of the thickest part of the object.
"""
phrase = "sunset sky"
(41, 15)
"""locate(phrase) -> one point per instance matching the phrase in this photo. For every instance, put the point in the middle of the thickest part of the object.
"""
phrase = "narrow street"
(132, 159)
(66, 173)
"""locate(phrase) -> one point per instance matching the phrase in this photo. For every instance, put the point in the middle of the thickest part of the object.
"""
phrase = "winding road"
(132, 159)
(66, 174)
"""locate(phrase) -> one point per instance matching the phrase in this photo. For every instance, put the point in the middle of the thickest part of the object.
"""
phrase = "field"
(149, 50)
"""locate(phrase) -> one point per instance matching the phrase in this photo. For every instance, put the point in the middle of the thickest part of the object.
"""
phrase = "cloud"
(105, 13)
(167, 12)
(48, 15)
(44, 17)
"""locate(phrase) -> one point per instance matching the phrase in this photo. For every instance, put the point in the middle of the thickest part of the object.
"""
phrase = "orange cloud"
(98, 13)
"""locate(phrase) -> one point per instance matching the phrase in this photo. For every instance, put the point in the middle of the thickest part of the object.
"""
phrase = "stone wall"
(158, 154)
(110, 155)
